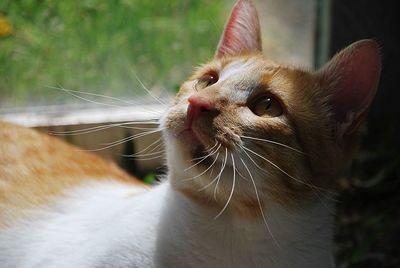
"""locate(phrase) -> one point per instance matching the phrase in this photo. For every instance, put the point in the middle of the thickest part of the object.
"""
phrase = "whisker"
(81, 131)
(241, 175)
(85, 99)
(141, 134)
(252, 160)
(146, 89)
(205, 157)
(255, 188)
(160, 144)
(259, 203)
(198, 175)
(97, 128)
(206, 150)
(216, 177)
(154, 122)
(144, 150)
(316, 190)
(220, 173)
(157, 146)
(232, 190)
(150, 158)
(273, 142)
(127, 139)
(146, 155)
(93, 94)
(215, 144)
(281, 170)
(208, 184)
(263, 170)
(213, 165)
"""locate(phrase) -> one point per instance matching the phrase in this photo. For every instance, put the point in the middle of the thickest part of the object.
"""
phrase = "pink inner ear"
(242, 31)
(351, 78)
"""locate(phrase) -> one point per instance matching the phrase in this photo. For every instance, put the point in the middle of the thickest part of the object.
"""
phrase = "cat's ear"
(242, 31)
(350, 79)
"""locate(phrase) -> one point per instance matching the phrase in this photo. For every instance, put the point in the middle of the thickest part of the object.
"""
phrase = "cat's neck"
(292, 239)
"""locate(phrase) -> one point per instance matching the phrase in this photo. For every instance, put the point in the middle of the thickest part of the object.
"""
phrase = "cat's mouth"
(196, 145)
(191, 139)
(194, 134)
(202, 157)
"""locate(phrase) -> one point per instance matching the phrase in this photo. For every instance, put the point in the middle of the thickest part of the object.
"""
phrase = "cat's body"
(109, 222)
(114, 224)
(253, 150)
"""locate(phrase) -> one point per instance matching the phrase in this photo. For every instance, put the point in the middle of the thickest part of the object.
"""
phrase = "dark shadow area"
(368, 218)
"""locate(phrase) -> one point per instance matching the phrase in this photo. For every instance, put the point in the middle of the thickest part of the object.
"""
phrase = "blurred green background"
(99, 46)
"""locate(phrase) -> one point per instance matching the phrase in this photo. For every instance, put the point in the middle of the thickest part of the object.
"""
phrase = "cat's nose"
(199, 105)
(202, 103)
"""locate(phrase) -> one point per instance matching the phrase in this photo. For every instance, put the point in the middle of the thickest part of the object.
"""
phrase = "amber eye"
(267, 106)
(207, 79)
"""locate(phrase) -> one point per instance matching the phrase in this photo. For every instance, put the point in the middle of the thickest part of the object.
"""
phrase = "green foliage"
(150, 178)
(97, 46)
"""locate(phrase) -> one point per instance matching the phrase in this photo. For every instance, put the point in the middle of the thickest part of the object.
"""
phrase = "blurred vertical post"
(288, 30)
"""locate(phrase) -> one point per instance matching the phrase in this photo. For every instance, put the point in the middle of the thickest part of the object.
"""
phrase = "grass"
(97, 46)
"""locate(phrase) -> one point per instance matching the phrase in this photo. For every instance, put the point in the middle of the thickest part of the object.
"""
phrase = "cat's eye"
(207, 79)
(267, 106)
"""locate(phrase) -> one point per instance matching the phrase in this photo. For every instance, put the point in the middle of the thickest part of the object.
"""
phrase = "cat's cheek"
(173, 121)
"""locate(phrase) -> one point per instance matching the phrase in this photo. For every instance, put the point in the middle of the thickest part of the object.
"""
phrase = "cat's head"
(251, 131)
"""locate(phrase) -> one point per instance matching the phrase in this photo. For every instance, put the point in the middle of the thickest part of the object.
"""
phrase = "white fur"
(239, 69)
(107, 225)
(104, 224)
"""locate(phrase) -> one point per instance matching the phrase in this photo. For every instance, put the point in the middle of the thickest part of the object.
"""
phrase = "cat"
(253, 151)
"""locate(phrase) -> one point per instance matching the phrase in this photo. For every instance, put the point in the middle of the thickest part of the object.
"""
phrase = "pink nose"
(201, 102)
(199, 105)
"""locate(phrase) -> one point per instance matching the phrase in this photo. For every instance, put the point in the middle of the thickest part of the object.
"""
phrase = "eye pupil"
(208, 79)
(211, 79)
(268, 103)
(267, 107)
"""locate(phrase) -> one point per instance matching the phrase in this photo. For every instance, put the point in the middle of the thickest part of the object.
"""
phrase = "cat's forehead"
(246, 73)
(241, 73)
(247, 68)
(241, 69)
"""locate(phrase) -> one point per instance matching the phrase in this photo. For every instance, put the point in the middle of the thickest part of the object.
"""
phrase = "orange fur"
(35, 167)
(307, 125)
